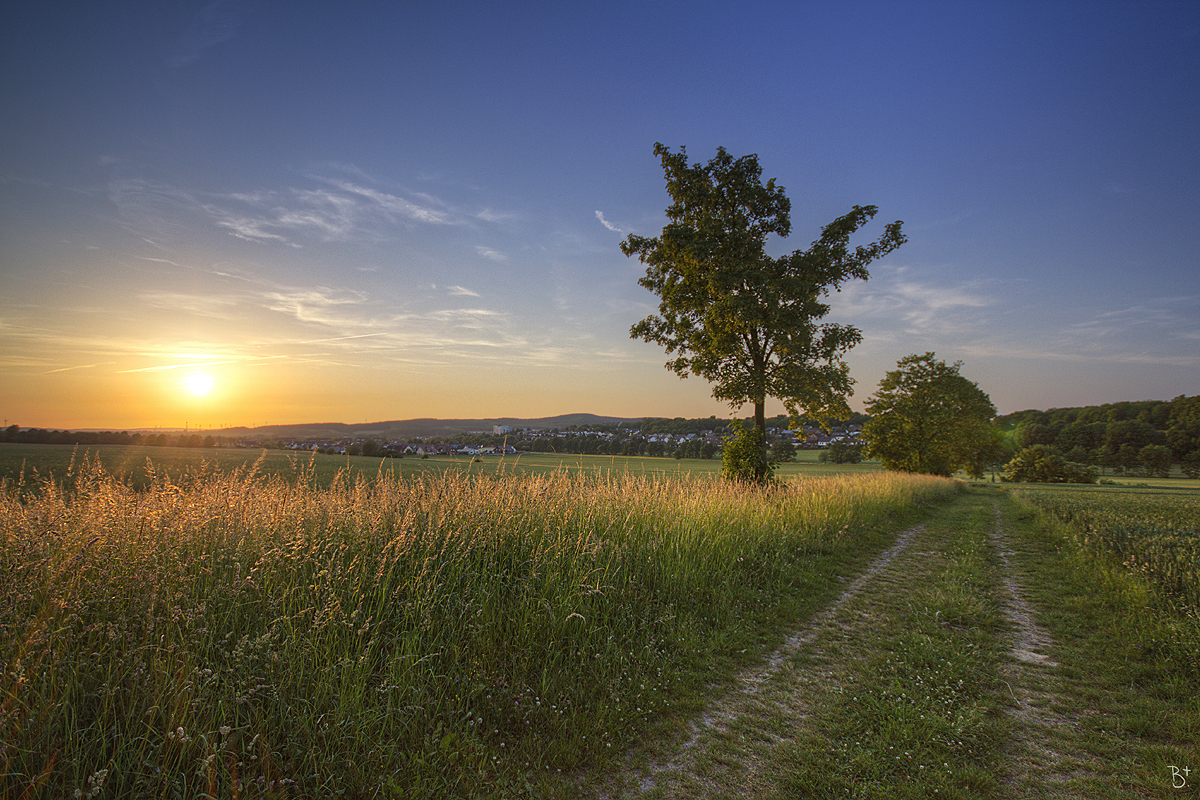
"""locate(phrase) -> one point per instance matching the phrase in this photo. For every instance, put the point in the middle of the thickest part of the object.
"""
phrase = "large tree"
(926, 417)
(730, 313)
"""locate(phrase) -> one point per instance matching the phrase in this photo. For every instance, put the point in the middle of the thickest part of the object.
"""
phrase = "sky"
(247, 213)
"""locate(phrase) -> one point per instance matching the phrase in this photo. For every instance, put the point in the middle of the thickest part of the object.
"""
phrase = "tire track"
(1041, 760)
(745, 696)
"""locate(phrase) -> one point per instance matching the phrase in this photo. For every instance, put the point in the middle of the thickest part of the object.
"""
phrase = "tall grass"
(240, 635)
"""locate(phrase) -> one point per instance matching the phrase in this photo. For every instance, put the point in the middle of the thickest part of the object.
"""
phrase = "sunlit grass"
(450, 633)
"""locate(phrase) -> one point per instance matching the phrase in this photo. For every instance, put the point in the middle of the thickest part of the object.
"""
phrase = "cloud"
(488, 215)
(316, 305)
(79, 366)
(459, 290)
(607, 224)
(205, 305)
(897, 303)
(155, 212)
(491, 254)
(394, 205)
(343, 212)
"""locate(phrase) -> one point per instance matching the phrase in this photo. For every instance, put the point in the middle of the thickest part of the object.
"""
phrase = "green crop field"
(1154, 530)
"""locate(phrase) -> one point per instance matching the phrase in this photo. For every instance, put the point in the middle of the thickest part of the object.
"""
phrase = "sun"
(198, 384)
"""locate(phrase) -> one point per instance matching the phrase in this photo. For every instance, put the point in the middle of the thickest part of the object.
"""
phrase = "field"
(271, 626)
(447, 633)
(28, 463)
(1154, 531)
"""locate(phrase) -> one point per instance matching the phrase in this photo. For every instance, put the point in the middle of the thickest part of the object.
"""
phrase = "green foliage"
(783, 450)
(742, 320)
(1115, 434)
(1041, 463)
(1156, 458)
(928, 418)
(745, 459)
(842, 453)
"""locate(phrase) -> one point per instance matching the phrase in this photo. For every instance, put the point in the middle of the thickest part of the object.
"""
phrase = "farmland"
(1154, 531)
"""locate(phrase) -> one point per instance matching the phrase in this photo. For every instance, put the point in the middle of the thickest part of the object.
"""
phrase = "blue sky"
(371, 211)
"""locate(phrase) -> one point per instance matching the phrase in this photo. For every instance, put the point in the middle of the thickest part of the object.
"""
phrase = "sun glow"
(198, 384)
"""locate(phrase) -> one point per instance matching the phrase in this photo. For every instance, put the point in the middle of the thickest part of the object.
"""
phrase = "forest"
(1147, 435)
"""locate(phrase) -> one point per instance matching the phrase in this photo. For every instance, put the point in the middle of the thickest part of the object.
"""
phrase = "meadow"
(262, 629)
(28, 465)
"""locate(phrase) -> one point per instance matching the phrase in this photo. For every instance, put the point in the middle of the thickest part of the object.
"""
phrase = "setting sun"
(198, 383)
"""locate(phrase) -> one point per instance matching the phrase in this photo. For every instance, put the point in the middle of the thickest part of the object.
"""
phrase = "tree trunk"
(760, 424)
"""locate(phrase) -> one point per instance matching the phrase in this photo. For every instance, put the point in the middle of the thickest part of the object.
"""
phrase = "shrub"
(1040, 463)
(842, 453)
(745, 459)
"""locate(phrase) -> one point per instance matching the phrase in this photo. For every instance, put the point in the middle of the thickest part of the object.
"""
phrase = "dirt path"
(1042, 761)
(756, 692)
(948, 587)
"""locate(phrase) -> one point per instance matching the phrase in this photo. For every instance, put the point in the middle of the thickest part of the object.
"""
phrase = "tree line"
(14, 433)
(1147, 436)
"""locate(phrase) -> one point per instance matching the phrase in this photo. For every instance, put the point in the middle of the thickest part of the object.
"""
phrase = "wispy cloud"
(316, 304)
(491, 215)
(894, 300)
(607, 224)
(78, 366)
(343, 212)
(461, 291)
(205, 305)
(156, 212)
(490, 254)
(336, 210)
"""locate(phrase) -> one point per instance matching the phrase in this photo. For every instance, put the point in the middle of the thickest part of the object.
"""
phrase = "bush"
(745, 459)
(1040, 463)
(842, 453)
(783, 450)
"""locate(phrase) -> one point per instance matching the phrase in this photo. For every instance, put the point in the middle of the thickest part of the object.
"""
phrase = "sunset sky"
(245, 213)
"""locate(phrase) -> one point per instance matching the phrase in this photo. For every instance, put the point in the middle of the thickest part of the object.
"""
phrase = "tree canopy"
(730, 313)
(928, 418)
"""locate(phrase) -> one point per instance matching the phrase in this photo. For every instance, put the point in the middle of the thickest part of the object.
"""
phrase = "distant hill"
(411, 428)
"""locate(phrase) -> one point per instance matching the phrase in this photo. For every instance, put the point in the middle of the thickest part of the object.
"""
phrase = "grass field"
(29, 463)
(234, 634)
